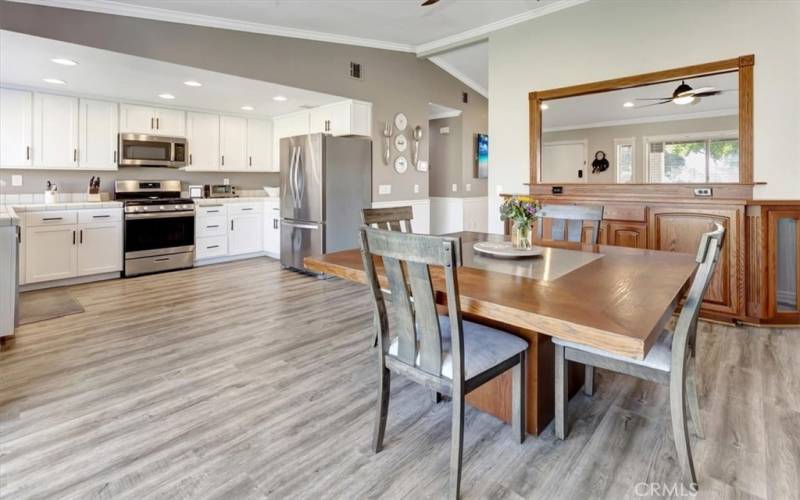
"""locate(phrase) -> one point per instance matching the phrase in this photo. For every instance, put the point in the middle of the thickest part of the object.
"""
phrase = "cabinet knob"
(152, 122)
(27, 152)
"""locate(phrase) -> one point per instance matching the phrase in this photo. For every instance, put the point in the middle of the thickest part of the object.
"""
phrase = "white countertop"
(78, 205)
(8, 216)
(243, 199)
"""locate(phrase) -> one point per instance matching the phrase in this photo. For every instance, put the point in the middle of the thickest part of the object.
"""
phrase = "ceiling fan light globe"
(683, 100)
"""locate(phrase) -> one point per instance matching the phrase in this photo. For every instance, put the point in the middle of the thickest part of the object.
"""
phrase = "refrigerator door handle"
(300, 225)
(299, 181)
(291, 177)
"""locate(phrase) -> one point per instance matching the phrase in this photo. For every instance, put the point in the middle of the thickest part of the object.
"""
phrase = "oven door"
(150, 234)
(152, 151)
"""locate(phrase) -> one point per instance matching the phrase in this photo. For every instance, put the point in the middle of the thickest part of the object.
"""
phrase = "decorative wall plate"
(400, 164)
(400, 121)
(401, 143)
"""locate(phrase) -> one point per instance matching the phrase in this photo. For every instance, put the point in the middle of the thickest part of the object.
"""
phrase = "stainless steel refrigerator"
(325, 182)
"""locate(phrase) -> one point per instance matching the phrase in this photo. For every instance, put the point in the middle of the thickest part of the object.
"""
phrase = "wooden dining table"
(613, 298)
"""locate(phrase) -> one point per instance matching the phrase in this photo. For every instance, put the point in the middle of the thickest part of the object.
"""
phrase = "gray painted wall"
(393, 81)
(445, 157)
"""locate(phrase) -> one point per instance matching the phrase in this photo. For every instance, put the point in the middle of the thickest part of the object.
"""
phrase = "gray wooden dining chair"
(391, 218)
(444, 353)
(566, 221)
(671, 360)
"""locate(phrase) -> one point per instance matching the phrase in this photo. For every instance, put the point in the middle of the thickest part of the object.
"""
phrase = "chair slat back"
(707, 256)
(406, 260)
(566, 221)
(392, 218)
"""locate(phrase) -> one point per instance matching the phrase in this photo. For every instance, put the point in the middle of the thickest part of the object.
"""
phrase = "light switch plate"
(384, 189)
(416, 188)
(16, 180)
(226, 181)
(444, 131)
(422, 166)
(468, 187)
(454, 188)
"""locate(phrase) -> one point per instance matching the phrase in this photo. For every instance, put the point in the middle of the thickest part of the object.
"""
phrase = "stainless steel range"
(159, 226)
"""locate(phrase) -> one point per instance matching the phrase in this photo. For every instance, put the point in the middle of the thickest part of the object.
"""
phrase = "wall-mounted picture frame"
(481, 156)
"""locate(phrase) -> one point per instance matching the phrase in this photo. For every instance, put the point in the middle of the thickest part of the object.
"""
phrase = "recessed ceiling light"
(248, 108)
(280, 98)
(64, 62)
(192, 83)
(544, 106)
(628, 104)
(54, 80)
(166, 96)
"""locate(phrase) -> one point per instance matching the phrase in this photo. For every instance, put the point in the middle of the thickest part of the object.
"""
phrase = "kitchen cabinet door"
(99, 123)
(99, 248)
(16, 130)
(259, 146)
(244, 234)
(51, 253)
(55, 131)
(626, 234)
(170, 122)
(137, 119)
(233, 143)
(272, 230)
(202, 134)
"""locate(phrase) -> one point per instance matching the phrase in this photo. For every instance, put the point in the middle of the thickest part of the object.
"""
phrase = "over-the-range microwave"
(143, 150)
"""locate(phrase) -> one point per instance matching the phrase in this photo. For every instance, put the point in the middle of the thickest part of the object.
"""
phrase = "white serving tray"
(505, 250)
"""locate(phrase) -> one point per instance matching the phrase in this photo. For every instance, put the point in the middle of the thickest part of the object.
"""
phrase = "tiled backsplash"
(37, 198)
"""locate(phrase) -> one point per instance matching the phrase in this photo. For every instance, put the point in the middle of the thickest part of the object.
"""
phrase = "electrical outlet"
(468, 187)
(416, 188)
(444, 130)
(384, 189)
(16, 180)
(226, 181)
(702, 192)
(454, 188)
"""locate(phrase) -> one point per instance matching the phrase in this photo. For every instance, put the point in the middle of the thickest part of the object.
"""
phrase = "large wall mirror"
(683, 126)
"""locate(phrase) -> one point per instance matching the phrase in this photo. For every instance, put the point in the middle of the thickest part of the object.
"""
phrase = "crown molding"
(482, 32)
(158, 14)
(423, 50)
(469, 82)
(648, 119)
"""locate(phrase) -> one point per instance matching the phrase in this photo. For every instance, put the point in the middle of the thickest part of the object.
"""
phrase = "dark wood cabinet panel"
(679, 229)
(626, 234)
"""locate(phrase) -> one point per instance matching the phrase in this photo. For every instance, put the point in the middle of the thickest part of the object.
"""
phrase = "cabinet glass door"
(786, 265)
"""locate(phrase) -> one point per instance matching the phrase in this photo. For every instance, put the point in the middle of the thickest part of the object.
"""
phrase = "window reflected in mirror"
(683, 131)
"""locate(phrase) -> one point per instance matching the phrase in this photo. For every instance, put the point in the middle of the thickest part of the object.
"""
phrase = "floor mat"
(41, 305)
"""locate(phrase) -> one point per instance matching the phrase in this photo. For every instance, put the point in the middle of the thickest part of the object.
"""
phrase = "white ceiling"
(402, 25)
(470, 64)
(25, 60)
(606, 109)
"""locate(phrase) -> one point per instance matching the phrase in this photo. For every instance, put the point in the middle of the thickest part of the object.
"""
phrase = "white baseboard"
(68, 281)
(421, 208)
(452, 215)
(231, 258)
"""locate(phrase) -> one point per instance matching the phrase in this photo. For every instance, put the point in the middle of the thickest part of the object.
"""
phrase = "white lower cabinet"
(237, 228)
(52, 253)
(272, 229)
(99, 248)
(71, 243)
(244, 234)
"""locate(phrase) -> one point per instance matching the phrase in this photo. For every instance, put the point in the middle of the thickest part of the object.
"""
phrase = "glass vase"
(521, 235)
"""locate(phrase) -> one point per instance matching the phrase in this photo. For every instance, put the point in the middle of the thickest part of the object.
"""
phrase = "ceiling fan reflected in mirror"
(684, 94)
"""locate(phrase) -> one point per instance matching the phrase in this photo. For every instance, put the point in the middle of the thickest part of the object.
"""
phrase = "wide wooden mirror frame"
(743, 64)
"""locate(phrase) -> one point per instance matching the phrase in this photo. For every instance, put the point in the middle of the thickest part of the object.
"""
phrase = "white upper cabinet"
(259, 146)
(16, 132)
(202, 135)
(233, 143)
(343, 118)
(99, 122)
(151, 120)
(171, 122)
(55, 131)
